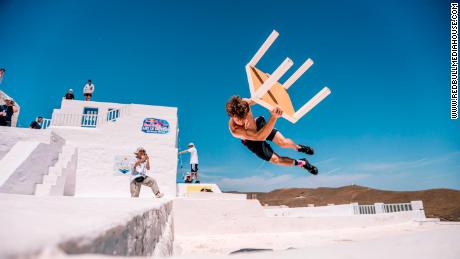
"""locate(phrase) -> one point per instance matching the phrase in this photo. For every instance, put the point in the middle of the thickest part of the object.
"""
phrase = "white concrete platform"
(116, 226)
(407, 240)
(219, 227)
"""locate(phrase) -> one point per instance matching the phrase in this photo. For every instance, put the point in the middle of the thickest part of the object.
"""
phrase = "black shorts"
(194, 168)
(88, 94)
(261, 148)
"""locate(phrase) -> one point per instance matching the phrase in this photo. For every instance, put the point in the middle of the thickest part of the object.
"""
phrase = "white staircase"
(54, 181)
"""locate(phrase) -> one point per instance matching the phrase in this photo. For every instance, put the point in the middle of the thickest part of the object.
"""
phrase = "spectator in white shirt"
(193, 161)
(88, 90)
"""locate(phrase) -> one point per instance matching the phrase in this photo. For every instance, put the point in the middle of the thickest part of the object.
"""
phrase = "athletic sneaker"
(306, 149)
(197, 181)
(311, 168)
(159, 195)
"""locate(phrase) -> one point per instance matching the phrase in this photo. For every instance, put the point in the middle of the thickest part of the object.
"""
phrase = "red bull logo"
(152, 125)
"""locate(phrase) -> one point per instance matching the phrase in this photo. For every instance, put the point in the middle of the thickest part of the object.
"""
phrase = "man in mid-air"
(254, 133)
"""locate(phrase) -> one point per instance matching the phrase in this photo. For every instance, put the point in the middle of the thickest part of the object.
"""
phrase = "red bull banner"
(156, 126)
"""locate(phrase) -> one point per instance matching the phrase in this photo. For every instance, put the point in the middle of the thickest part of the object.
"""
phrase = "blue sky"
(385, 125)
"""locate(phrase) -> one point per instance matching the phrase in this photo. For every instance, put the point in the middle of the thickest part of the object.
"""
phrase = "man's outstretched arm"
(249, 101)
(260, 135)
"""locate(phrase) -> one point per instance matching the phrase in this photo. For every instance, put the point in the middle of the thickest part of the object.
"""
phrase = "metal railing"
(365, 209)
(378, 208)
(88, 120)
(45, 123)
(113, 115)
(396, 207)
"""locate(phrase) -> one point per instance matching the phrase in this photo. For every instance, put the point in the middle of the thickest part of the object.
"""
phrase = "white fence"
(88, 120)
(414, 208)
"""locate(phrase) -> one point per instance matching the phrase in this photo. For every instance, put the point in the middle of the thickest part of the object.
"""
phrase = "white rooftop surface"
(217, 227)
(29, 223)
(405, 240)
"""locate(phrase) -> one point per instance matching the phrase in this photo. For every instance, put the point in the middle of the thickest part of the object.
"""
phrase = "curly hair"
(238, 107)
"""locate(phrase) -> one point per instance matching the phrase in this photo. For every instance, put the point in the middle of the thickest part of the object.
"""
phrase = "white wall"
(77, 106)
(113, 226)
(10, 136)
(321, 211)
(98, 147)
(340, 211)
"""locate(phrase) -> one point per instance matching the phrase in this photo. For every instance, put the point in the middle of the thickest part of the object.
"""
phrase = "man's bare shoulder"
(232, 125)
(234, 128)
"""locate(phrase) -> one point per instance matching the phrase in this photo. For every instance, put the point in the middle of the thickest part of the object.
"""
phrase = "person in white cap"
(193, 160)
(188, 178)
(69, 95)
(139, 175)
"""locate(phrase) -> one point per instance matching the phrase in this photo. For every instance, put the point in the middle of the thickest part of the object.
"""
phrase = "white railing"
(45, 123)
(89, 120)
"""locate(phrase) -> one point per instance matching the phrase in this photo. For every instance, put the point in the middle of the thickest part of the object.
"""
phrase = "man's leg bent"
(283, 142)
(150, 182)
(135, 189)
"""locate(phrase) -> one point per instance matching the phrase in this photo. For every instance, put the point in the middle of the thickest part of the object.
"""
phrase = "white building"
(101, 135)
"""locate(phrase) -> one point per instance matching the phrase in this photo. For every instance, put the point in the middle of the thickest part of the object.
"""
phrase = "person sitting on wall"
(188, 178)
(36, 124)
(7, 111)
(69, 95)
(88, 90)
(139, 176)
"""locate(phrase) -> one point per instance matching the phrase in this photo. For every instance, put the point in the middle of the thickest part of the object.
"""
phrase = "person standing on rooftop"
(88, 90)
(193, 161)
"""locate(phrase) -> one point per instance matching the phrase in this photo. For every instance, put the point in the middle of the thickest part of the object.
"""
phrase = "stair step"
(42, 189)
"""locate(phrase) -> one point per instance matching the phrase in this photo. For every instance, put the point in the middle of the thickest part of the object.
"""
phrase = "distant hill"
(438, 203)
